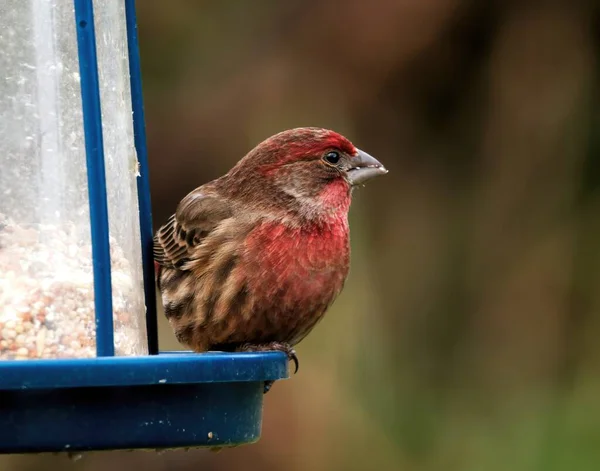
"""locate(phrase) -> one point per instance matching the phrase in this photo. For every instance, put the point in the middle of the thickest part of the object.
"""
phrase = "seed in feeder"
(23, 352)
(47, 295)
(8, 333)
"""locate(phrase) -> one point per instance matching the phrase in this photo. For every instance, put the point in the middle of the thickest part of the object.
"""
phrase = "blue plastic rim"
(158, 370)
(161, 400)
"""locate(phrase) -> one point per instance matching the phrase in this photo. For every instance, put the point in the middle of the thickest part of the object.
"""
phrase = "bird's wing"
(199, 213)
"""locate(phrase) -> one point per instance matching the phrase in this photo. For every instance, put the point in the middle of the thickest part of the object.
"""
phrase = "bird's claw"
(292, 356)
(288, 350)
(281, 347)
(278, 346)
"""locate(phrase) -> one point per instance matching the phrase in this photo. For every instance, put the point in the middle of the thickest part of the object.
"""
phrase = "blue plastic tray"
(168, 400)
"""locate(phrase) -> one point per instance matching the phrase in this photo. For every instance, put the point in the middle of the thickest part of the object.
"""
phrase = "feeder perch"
(80, 367)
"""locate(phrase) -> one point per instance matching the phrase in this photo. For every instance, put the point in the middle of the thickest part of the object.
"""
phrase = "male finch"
(253, 259)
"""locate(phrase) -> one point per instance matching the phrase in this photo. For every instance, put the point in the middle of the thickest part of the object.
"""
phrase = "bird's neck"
(329, 207)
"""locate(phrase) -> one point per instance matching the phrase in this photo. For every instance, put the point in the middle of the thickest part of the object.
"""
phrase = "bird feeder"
(80, 367)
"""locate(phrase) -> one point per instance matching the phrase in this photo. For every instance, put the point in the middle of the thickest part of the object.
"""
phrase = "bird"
(252, 260)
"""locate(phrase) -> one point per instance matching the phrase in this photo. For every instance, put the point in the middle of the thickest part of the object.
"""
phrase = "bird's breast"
(299, 267)
(275, 285)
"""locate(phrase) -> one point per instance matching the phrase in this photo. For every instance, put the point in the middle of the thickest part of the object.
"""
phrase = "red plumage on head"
(297, 144)
(302, 142)
(286, 174)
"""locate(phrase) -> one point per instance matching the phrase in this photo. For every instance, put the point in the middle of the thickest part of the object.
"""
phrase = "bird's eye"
(332, 157)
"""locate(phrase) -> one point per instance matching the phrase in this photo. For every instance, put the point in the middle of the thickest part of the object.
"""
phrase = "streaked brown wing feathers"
(197, 215)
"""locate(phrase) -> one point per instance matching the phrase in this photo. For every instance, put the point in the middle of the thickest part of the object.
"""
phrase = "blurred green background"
(467, 335)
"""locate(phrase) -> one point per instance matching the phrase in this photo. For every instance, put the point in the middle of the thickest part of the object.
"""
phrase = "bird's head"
(312, 168)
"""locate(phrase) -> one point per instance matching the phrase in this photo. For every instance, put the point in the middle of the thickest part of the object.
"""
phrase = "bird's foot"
(278, 346)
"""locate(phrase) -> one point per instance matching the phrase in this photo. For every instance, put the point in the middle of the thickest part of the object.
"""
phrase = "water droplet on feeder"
(74, 456)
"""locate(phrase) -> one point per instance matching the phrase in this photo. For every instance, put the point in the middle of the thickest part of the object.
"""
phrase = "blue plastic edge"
(165, 368)
(96, 174)
(143, 180)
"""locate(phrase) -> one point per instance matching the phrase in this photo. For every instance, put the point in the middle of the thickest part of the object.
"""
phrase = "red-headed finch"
(253, 259)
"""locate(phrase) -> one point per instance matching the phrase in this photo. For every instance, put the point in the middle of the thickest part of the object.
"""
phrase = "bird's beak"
(364, 167)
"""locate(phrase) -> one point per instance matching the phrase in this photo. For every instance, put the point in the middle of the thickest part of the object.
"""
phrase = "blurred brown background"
(466, 337)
